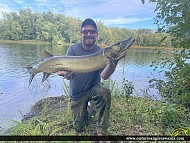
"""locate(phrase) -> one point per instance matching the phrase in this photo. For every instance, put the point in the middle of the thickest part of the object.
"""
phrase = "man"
(87, 87)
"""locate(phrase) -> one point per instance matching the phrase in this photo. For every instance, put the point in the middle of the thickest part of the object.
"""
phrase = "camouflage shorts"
(101, 97)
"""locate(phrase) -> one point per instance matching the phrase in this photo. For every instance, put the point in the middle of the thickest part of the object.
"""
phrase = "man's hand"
(110, 68)
(122, 55)
(66, 74)
(114, 61)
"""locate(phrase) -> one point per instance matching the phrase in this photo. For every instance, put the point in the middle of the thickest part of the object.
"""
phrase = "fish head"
(124, 47)
(119, 49)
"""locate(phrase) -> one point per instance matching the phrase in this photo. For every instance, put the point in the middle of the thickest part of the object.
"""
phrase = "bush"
(176, 87)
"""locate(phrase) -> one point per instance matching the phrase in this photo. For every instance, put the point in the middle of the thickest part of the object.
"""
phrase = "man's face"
(88, 35)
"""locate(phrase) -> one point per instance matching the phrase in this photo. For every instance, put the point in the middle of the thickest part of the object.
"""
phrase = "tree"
(105, 34)
(57, 29)
(25, 23)
(10, 28)
(173, 16)
(71, 29)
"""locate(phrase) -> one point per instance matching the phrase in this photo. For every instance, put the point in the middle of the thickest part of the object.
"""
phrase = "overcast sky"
(122, 13)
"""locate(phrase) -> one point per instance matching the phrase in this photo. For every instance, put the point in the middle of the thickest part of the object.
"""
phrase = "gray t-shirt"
(81, 82)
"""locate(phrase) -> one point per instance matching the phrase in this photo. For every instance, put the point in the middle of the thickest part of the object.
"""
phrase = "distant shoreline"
(36, 42)
(24, 42)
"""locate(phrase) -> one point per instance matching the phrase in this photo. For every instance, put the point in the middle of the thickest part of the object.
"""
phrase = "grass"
(142, 116)
(129, 116)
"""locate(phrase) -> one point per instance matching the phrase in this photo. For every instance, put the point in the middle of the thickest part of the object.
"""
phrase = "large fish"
(80, 64)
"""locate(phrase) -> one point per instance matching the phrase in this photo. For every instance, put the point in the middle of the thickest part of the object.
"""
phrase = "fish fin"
(45, 76)
(46, 55)
(31, 75)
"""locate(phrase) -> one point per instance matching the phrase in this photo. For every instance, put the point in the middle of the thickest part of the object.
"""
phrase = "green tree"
(173, 16)
(49, 16)
(25, 23)
(10, 27)
(71, 30)
(105, 34)
(35, 19)
(57, 28)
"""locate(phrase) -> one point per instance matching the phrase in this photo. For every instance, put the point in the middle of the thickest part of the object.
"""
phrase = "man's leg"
(101, 96)
(80, 115)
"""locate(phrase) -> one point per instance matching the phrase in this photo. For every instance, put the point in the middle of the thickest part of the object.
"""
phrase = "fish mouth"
(118, 54)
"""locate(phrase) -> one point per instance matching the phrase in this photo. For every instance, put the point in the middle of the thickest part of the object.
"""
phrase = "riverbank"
(24, 42)
(129, 116)
(48, 43)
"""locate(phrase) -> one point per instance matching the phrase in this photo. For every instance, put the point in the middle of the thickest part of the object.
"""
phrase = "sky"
(121, 13)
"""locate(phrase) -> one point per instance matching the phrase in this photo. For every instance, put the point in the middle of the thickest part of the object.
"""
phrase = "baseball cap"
(89, 21)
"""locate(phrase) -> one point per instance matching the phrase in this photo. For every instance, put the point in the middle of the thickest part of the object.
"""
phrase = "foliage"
(175, 86)
(143, 116)
(57, 29)
(126, 89)
(33, 127)
(173, 16)
(173, 116)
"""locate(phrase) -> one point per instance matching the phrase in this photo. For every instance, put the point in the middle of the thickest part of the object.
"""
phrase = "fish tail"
(31, 74)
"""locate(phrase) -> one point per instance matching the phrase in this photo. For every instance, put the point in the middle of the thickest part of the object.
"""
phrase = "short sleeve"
(70, 51)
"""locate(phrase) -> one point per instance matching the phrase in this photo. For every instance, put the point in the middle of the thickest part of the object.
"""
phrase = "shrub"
(176, 85)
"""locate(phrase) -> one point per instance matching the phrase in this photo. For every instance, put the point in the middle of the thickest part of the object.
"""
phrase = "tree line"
(58, 29)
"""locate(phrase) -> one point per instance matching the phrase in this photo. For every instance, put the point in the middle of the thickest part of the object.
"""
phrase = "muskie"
(80, 64)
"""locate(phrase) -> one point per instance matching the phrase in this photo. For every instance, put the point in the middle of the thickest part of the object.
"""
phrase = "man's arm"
(108, 70)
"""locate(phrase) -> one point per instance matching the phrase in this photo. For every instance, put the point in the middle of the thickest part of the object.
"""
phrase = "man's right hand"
(66, 74)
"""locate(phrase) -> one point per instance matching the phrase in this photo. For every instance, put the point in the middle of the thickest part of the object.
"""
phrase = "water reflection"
(14, 91)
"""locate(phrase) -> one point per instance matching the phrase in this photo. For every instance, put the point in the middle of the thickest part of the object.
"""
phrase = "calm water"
(16, 96)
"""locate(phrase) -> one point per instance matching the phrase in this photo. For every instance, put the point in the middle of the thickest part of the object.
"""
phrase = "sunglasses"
(89, 31)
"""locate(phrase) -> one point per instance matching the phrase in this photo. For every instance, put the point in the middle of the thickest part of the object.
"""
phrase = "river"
(16, 97)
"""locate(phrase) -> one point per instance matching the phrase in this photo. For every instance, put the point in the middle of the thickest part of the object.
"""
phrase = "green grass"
(142, 116)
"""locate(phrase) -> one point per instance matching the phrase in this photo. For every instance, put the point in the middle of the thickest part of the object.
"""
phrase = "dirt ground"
(50, 103)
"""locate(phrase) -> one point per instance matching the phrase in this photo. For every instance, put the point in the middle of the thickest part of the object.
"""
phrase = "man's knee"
(104, 91)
